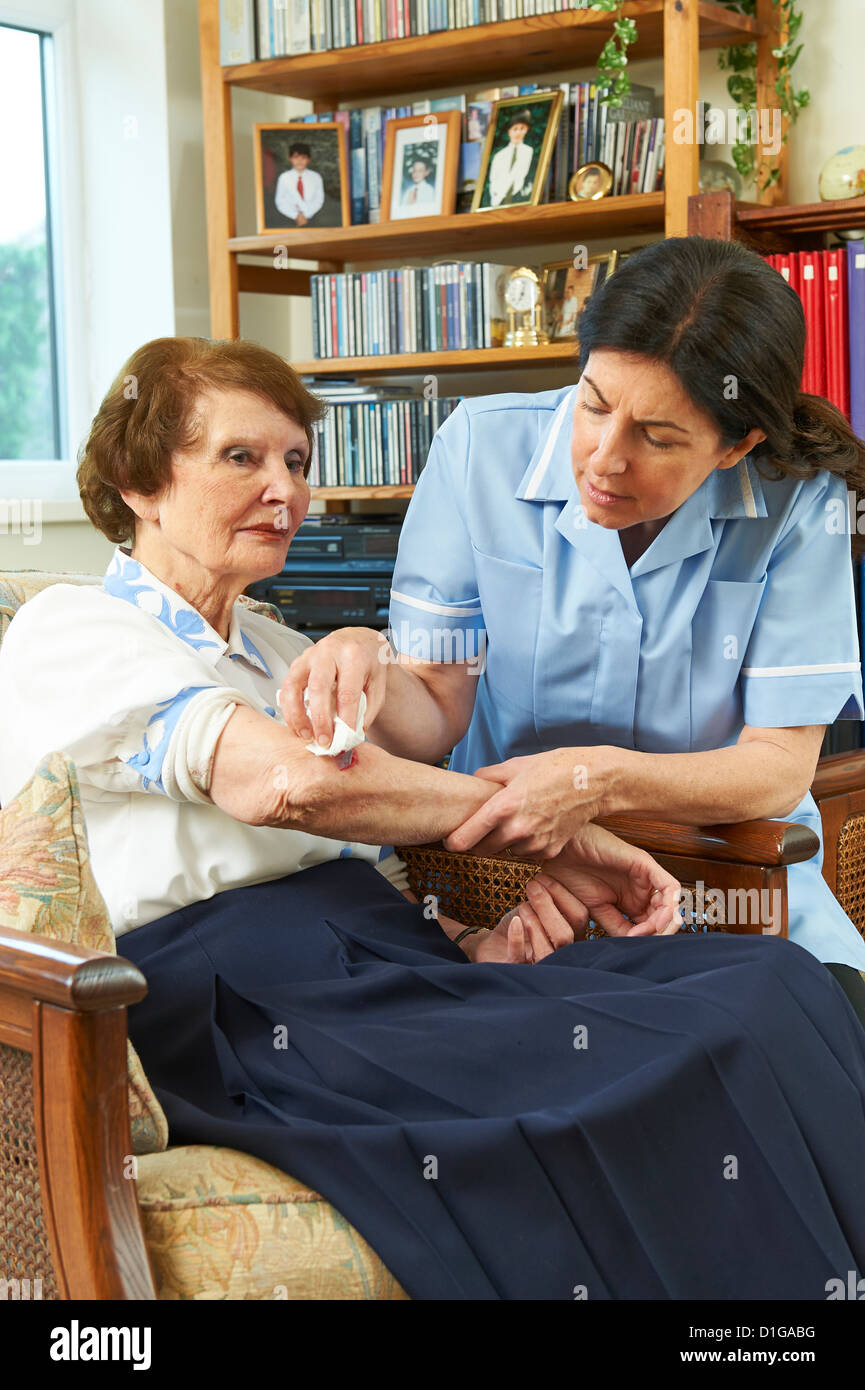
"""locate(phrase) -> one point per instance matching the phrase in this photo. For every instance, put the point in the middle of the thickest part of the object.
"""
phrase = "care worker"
(655, 564)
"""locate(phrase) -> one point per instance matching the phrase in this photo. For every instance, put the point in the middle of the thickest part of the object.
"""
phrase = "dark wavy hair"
(715, 312)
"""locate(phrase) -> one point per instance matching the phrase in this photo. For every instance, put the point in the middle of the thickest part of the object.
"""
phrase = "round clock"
(524, 300)
(523, 290)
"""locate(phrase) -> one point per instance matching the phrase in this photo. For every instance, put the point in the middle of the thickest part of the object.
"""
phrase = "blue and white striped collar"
(128, 579)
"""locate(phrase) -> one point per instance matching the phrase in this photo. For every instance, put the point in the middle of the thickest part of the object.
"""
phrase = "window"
(30, 408)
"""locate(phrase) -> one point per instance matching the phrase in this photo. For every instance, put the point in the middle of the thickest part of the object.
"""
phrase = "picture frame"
(421, 157)
(517, 151)
(591, 181)
(566, 289)
(321, 175)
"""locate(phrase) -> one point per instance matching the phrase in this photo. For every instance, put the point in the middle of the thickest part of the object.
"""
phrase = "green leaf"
(626, 30)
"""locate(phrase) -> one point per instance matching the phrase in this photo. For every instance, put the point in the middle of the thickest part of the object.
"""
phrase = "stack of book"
(831, 286)
(373, 436)
(369, 313)
(254, 29)
(628, 139)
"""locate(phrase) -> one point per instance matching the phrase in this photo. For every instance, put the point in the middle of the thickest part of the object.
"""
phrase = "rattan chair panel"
(850, 871)
(478, 891)
(24, 1249)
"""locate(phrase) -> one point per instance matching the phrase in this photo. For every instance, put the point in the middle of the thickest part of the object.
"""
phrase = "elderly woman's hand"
(551, 917)
(335, 672)
(624, 889)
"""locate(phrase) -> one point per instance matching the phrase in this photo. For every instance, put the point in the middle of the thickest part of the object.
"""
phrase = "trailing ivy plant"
(613, 82)
(740, 61)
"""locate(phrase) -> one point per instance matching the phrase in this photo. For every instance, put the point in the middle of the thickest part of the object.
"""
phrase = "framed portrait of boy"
(590, 182)
(421, 156)
(301, 175)
(566, 289)
(517, 152)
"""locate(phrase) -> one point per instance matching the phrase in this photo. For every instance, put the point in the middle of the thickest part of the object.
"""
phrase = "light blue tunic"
(741, 611)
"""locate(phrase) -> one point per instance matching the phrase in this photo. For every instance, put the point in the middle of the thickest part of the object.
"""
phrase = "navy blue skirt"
(654, 1119)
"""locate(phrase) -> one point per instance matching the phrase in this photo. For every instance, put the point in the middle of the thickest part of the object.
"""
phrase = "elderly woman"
(519, 1114)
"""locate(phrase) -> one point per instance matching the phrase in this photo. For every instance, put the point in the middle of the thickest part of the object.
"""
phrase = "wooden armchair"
(69, 1208)
(78, 1214)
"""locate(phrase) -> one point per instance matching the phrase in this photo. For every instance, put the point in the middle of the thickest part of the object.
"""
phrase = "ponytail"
(821, 438)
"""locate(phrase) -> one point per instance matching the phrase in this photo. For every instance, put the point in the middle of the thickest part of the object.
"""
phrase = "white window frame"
(96, 331)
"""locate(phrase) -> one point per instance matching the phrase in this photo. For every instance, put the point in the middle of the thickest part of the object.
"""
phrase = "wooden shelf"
(461, 359)
(803, 218)
(635, 214)
(345, 494)
(797, 226)
(537, 44)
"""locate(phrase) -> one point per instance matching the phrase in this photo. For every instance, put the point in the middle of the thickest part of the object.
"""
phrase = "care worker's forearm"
(748, 781)
(263, 775)
(424, 715)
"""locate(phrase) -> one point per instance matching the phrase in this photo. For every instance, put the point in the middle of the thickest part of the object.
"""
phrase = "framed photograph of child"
(566, 289)
(517, 151)
(591, 181)
(421, 155)
(301, 175)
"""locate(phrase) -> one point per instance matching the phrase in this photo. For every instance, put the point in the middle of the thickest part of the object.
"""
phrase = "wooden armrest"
(71, 976)
(767, 843)
(839, 773)
(65, 1007)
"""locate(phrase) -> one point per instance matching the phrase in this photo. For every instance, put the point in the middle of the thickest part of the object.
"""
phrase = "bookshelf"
(675, 30)
(800, 227)
(458, 360)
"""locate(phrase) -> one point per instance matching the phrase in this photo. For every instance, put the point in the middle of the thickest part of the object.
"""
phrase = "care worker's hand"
(335, 671)
(545, 799)
(623, 888)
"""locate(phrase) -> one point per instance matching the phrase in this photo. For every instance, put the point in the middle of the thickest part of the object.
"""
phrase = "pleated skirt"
(675, 1118)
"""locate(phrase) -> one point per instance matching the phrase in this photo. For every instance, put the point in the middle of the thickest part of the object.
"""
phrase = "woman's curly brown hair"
(149, 412)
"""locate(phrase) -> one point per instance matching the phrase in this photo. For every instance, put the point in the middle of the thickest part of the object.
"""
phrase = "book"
(836, 329)
(814, 373)
(856, 333)
(299, 36)
(237, 32)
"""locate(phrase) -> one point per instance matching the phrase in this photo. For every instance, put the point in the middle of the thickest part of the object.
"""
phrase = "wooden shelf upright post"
(218, 178)
(681, 92)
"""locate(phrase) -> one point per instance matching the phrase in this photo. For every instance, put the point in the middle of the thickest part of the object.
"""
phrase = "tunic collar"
(734, 492)
(128, 579)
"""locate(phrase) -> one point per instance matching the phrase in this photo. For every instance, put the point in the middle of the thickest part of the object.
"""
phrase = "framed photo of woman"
(517, 151)
(301, 175)
(421, 156)
(566, 289)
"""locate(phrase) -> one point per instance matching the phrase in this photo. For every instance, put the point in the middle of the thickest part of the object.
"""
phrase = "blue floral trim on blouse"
(161, 725)
(125, 578)
(253, 654)
(128, 579)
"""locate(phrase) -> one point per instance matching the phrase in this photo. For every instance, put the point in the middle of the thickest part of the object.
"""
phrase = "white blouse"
(131, 683)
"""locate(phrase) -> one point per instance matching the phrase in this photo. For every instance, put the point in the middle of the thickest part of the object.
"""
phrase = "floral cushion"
(222, 1225)
(47, 888)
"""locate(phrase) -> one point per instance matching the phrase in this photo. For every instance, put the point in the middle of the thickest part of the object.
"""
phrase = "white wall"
(146, 262)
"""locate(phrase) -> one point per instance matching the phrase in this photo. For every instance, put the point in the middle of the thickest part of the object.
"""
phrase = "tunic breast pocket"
(722, 628)
(510, 595)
